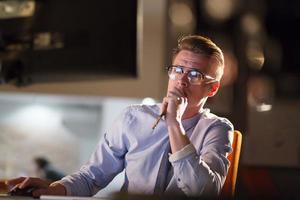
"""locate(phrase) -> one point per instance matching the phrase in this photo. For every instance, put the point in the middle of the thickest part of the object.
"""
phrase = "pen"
(157, 120)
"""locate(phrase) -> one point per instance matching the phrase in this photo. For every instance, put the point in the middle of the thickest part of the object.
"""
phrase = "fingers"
(173, 98)
(167, 102)
(172, 103)
(177, 96)
(177, 92)
(27, 182)
(40, 186)
(15, 181)
(33, 182)
(23, 182)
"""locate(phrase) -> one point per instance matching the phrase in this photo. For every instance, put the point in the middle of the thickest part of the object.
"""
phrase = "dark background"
(89, 39)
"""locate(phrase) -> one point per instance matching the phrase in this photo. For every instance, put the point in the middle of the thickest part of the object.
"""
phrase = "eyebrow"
(191, 68)
(204, 74)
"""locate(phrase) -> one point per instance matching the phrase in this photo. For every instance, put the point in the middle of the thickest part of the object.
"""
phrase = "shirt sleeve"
(106, 162)
(204, 173)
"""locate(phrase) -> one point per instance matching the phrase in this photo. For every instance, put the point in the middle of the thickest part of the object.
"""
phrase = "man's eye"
(178, 70)
(194, 74)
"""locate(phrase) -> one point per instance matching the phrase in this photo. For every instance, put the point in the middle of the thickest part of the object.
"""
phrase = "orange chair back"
(229, 185)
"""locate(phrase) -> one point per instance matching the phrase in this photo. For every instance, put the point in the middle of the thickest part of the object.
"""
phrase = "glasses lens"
(195, 77)
(174, 71)
(178, 70)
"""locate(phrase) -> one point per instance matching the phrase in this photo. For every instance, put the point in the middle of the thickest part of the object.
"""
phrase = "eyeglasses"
(194, 76)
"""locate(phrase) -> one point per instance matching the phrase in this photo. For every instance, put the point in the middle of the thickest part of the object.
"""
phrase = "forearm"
(178, 138)
(194, 177)
(79, 185)
(203, 172)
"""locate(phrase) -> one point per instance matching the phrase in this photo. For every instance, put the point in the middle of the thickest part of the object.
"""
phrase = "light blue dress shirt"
(131, 144)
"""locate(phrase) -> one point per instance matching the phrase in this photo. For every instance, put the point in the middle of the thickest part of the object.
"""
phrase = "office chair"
(229, 185)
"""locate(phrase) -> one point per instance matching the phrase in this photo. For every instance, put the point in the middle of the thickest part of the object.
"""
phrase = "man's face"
(196, 94)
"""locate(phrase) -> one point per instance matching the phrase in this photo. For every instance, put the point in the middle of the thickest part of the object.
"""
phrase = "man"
(184, 154)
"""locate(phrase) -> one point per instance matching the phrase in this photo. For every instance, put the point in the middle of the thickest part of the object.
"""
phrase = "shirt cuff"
(185, 151)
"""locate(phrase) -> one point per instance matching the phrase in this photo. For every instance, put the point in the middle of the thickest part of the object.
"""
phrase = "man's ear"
(214, 88)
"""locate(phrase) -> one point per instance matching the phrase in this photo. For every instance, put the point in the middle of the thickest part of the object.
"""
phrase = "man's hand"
(42, 187)
(174, 105)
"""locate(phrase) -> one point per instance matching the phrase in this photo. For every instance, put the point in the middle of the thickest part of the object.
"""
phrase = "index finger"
(15, 181)
(34, 182)
(176, 92)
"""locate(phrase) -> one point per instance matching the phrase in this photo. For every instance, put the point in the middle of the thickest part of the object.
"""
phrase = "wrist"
(174, 125)
(173, 122)
(58, 188)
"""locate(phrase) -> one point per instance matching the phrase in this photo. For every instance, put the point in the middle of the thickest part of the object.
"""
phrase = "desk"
(6, 197)
(120, 196)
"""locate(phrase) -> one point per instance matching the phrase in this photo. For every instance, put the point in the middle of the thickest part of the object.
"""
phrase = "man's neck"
(191, 112)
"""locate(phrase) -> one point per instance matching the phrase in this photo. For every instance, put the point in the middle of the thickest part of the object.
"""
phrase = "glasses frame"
(209, 79)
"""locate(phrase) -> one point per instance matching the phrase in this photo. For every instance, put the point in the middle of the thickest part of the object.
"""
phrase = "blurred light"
(251, 24)
(255, 55)
(148, 101)
(47, 40)
(230, 69)
(8, 9)
(16, 8)
(263, 107)
(37, 116)
(220, 9)
(42, 40)
(180, 14)
(260, 93)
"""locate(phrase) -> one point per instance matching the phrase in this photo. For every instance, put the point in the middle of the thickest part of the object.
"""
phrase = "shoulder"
(216, 130)
(139, 109)
(140, 112)
(212, 120)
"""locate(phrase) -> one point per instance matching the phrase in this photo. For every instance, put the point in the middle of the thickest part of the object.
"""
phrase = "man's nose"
(183, 80)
